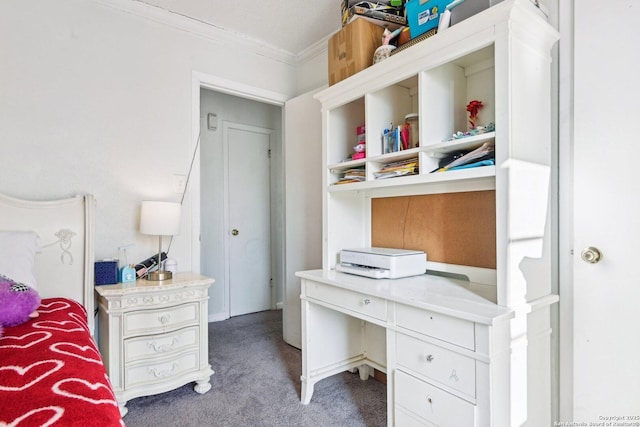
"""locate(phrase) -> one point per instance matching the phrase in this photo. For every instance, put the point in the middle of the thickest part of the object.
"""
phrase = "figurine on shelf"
(475, 129)
(473, 108)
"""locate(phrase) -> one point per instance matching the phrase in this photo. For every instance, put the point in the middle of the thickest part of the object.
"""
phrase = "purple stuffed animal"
(18, 303)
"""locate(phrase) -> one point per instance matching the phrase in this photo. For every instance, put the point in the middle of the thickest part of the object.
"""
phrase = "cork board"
(453, 228)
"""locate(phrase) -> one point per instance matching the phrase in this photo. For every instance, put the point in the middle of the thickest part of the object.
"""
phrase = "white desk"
(444, 348)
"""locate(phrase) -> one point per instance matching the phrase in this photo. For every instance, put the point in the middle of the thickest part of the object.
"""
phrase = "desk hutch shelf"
(469, 342)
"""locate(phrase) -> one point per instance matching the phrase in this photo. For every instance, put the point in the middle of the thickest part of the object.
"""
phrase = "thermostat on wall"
(212, 121)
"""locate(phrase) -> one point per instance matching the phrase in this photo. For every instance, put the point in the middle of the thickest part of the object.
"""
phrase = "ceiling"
(289, 25)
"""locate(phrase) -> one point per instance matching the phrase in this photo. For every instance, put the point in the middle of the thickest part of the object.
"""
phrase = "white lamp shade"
(160, 218)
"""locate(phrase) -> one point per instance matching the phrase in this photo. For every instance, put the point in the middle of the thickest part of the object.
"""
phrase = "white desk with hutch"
(473, 350)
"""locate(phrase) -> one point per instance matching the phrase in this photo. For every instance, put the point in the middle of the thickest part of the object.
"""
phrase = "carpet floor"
(257, 383)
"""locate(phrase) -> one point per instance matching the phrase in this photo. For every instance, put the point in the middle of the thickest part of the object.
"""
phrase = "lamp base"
(159, 276)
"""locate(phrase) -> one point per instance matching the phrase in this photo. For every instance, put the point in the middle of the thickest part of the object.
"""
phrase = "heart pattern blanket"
(51, 372)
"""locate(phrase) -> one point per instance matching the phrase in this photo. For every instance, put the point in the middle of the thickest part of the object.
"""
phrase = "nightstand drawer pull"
(164, 319)
(163, 374)
(162, 348)
(429, 358)
(366, 301)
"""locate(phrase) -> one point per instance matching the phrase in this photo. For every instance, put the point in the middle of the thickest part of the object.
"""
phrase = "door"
(606, 213)
(303, 204)
(248, 221)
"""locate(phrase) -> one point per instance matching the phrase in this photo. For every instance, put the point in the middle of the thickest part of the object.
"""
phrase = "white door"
(303, 204)
(248, 221)
(606, 212)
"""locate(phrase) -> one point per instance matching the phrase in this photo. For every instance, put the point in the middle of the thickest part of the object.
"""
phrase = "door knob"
(234, 232)
(591, 255)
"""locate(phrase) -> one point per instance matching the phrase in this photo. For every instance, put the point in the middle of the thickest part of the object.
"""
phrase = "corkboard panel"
(453, 228)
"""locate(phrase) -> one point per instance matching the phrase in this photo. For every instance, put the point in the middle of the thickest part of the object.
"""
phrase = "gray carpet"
(257, 383)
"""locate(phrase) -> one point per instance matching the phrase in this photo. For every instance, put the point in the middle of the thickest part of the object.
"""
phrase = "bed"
(51, 372)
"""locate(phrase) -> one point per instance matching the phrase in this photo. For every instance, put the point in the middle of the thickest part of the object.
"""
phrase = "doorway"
(241, 117)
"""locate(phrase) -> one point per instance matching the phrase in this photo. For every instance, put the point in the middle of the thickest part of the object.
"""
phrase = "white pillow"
(17, 256)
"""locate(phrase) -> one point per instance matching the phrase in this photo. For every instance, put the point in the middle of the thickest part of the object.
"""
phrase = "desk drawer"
(353, 301)
(431, 403)
(455, 331)
(155, 345)
(444, 366)
(404, 418)
(160, 320)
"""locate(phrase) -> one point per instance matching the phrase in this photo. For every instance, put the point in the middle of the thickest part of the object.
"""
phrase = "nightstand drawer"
(157, 345)
(455, 331)
(160, 371)
(353, 301)
(444, 366)
(160, 320)
(431, 403)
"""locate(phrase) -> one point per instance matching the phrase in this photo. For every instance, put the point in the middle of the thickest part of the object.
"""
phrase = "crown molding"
(201, 29)
(318, 48)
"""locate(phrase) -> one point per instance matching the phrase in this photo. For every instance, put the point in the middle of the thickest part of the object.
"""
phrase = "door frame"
(564, 319)
(200, 80)
(226, 223)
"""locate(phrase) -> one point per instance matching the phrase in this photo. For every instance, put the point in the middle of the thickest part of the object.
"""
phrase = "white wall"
(96, 98)
(313, 68)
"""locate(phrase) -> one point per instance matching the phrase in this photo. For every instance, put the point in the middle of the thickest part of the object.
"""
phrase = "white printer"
(382, 263)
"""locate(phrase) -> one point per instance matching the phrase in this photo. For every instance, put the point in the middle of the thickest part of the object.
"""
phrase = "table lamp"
(162, 219)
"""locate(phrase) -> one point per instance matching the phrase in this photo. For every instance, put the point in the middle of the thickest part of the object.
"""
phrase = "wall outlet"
(179, 183)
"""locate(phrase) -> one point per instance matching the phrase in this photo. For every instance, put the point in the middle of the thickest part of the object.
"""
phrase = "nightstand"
(153, 336)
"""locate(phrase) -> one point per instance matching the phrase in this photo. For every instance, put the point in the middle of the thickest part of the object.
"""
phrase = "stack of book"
(399, 168)
(352, 175)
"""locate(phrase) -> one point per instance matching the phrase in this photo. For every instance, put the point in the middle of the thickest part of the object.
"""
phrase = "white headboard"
(66, 229)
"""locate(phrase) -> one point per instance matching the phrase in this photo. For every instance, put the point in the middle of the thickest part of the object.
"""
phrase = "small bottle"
(128, 274)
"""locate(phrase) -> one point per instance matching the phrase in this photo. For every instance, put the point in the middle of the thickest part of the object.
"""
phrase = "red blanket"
(51, 372)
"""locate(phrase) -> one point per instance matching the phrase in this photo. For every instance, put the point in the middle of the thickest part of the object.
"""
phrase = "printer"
(382, 263)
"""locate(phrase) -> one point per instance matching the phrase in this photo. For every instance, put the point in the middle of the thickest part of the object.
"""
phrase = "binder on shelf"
(483, 153)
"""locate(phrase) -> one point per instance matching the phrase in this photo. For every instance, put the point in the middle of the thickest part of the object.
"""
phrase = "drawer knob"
(164, 319)
(429, 400)
(366, 301)
(429, 358)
